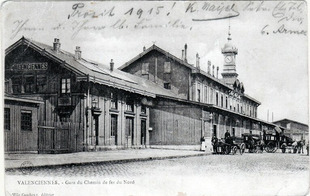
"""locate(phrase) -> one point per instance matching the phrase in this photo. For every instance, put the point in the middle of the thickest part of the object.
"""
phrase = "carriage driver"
(226, 136)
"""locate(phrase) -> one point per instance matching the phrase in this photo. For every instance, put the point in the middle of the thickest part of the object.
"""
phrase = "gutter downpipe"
(87, 112)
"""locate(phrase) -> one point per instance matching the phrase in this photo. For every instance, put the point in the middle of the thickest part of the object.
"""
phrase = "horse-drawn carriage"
(273, 142)
(229, 145)
(253, 142)
(270, 142)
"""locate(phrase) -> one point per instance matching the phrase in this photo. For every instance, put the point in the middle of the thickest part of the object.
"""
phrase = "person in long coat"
(227, 135)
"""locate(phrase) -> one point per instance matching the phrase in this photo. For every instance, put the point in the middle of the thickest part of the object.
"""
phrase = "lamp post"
(211, 124)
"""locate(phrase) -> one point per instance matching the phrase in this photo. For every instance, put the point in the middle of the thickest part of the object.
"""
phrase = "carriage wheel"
(271, 147)
(274, 149)
(234, 150)
(283, 148)
(266, 148)
(242, 148)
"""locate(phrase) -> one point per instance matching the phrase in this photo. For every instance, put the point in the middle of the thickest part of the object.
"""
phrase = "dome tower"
(229, 51)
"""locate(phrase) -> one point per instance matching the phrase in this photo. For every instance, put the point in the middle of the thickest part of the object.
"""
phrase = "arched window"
(222, 101)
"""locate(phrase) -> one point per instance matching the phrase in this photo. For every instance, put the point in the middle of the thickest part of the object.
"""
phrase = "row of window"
(129, 120)
(25, 122)
(129, 129)
(234, 106)
(114, 122)
(129, 104)
(34, 84)
(129, 125)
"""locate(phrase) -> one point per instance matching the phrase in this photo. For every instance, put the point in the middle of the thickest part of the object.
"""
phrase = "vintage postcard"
(176, 98)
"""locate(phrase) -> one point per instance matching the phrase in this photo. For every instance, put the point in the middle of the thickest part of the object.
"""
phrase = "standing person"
(214, 141)
(264, 135)
(307, 148)
(226, 136)
(303, 142)
(278, 139)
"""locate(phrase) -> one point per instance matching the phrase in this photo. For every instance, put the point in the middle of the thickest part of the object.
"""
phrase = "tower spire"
(229, 34)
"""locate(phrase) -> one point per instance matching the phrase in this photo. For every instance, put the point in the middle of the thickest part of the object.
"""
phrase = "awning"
(277, 129)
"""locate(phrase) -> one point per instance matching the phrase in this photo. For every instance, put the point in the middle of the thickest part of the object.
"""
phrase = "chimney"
(185, 53)
(56, 45)
(78, 53)
(111, 65)
(209, 67)
(217, 72)
(213, 70)
(182, 55)
(197, 61)
(144, 48)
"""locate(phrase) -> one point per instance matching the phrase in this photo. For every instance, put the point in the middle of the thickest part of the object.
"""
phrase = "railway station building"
(155, 99)
(71, 104)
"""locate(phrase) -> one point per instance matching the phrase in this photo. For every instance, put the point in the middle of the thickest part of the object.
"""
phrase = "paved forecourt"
(41, 160)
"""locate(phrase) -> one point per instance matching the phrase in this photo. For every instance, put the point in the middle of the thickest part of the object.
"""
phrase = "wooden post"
(155, 74)
(88, 115)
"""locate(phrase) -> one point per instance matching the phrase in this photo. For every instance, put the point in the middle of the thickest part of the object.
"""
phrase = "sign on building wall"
(29, 66)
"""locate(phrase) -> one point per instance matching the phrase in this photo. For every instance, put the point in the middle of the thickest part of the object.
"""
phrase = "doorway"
(96, 130)
(114, 128)
(143, 132)
(129, 133)
(215, 130)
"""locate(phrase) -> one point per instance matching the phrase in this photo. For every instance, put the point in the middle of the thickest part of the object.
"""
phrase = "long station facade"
(62, 102)
(213, 105)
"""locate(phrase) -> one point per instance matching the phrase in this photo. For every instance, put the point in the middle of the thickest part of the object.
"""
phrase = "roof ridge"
(155, 47)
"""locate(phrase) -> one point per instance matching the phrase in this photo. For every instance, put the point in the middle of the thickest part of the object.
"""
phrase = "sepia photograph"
(163, 98)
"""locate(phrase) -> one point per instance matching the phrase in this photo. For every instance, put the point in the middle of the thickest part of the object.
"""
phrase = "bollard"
(203, 146)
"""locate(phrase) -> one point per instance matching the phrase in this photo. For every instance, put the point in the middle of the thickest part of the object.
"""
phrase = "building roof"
(229, 47)
(19, 99)
(285, 120)
(156, 48)
(95, 72)
(182, 62)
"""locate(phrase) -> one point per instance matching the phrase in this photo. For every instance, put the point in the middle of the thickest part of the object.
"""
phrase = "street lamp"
(94, 103)
(95, 108)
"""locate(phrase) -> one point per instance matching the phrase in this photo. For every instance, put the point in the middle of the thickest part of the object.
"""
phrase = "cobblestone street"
(247, 174)
(263, 164)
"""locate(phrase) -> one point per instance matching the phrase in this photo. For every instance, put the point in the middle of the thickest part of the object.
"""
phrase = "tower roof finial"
(229, 38)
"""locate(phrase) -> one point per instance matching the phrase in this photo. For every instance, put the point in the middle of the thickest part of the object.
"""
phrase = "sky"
(271, 38)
